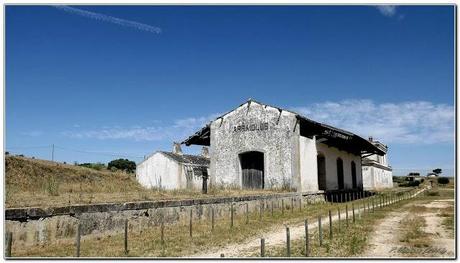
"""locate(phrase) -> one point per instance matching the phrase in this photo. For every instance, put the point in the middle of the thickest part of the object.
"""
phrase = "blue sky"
(102, 81)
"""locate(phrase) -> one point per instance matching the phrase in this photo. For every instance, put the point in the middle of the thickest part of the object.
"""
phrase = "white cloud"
(32, 133)
(418, 122)
(109, 19)
(178, 130)
(387, 10)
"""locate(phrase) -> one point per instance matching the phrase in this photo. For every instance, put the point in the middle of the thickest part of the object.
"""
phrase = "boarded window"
(321, 163)
(340, 173)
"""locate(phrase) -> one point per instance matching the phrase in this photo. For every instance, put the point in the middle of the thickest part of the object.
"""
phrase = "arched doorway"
(353, 175)
(321, 163)
(340, 173)
(252, 169)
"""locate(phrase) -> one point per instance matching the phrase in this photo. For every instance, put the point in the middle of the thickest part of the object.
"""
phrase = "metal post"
(292, 205)
(261, 208)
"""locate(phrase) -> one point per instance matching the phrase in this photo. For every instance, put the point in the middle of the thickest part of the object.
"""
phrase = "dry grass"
(177, 240)
(413, 233)
(32, 182)
(350, 241)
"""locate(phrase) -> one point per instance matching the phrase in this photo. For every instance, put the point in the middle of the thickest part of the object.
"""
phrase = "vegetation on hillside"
(33, 182)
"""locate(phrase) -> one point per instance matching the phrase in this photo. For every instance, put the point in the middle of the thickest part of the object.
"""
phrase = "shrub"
(52, 186)
(96, 166)
(122, 164)
(410, 183)
(443, 180)
(433, 193)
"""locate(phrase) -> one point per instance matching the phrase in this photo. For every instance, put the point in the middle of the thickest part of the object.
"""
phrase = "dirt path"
(385, 239)
(385, 236)
(275, 237)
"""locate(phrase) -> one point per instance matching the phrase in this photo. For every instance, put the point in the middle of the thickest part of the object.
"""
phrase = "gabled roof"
(188, 158)
(332, 136)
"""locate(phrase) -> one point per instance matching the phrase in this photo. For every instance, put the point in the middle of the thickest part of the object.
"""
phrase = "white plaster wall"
(277, 143)
(308, 164)
(331, 154)
(159, 171)
(376, 178)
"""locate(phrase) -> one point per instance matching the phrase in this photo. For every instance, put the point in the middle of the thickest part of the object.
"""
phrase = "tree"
(437, 171)
(122, 164)
(443, 180)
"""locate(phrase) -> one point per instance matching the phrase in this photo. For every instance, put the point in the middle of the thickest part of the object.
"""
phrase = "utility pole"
(52, 153)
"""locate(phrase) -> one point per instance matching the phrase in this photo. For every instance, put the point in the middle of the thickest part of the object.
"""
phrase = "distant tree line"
(114, 165)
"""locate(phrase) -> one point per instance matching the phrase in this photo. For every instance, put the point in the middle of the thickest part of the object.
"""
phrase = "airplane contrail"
(109, 19)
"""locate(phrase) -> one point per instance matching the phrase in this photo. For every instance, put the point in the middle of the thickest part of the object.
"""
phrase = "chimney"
(176, 148)
(205, 152)
(371, 139)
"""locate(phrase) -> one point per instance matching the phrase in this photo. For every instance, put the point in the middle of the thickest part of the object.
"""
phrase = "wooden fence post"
(307, 239)
(288, 242)
(320, 231)
(212, 218)
(162, 228)
(282, 206)
(330, 225)
(78, 240)
(231, 215)
(353, 209)
(261, 212)
(272, 208)
(338, 214)
(9, 242)
(126, 237)
(262, 247)
(191, 223)
(247, 213)
(346, 214)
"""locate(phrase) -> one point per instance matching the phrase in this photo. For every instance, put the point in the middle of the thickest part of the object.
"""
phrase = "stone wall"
(32, 226)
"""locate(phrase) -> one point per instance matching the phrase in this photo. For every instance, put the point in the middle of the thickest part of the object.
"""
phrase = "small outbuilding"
(174, 170)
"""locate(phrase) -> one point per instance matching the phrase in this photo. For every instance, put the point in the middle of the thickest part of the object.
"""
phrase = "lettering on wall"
(261, 126)
(334, 134)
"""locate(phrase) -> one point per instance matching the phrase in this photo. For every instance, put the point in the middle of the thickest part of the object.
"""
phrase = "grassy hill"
(33, 182)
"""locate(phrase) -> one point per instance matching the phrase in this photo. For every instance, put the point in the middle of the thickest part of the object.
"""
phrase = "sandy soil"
(275, 237)
(385, 240)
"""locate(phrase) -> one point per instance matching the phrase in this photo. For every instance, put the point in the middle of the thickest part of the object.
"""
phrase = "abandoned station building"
(261, 146)
(377, 173)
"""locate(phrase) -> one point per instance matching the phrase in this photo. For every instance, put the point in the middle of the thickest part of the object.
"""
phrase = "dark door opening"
(252, 169)
(340, 173)
(321, 162)
(353, 175)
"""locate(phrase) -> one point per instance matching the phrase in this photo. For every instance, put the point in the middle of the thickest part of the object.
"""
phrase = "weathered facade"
(261, 146)
(377, 173)
(173, 170)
